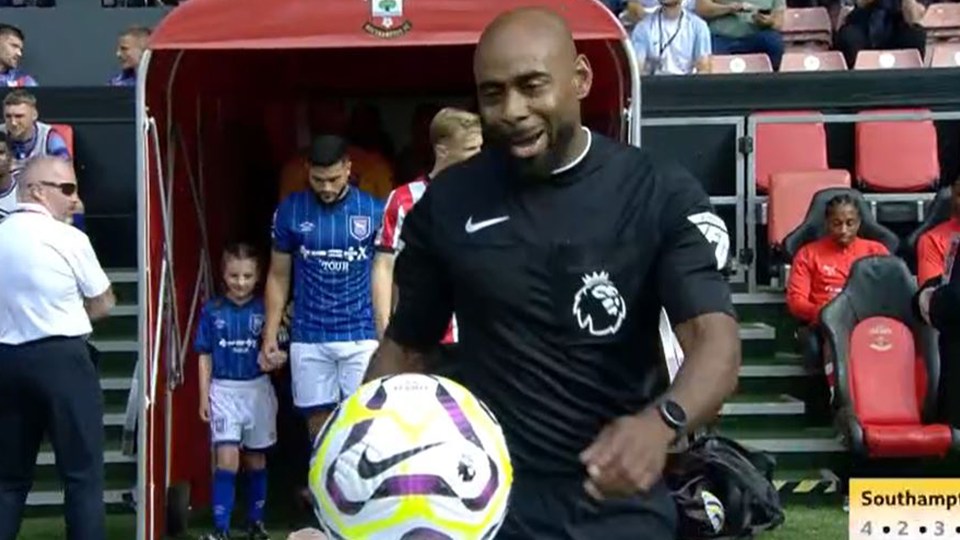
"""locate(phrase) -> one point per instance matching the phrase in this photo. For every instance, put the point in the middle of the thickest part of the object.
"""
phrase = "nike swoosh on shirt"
(371, 469)
(472, 227)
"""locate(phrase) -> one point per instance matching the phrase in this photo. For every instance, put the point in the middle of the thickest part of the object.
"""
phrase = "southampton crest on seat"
(386, 19)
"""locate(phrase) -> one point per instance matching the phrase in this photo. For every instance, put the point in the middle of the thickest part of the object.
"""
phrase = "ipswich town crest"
(360, 227)
(386, 19)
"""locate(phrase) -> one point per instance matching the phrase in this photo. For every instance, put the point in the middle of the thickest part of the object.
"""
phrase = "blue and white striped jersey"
(332, 250)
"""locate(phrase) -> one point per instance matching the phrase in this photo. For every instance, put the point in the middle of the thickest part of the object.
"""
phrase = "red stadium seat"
(813, 61)
(788, 147)
(890, 59)
(740, 63)
(813, 223)
(942, 21)
(897, 156)
(886, 364)
(790, 196)
(65, 131)
(944, 54)
(808, 26)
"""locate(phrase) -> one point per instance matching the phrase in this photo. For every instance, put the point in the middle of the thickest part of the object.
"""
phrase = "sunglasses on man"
(67, 188)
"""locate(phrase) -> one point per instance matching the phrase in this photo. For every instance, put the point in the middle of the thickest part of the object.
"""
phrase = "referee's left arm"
(697, 298)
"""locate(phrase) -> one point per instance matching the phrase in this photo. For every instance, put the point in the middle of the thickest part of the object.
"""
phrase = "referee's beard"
(541, 166)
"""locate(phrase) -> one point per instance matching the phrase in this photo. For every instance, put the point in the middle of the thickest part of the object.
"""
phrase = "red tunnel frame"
(209, 48)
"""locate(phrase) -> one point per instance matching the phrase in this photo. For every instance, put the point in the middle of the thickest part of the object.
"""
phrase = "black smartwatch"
(674, 416)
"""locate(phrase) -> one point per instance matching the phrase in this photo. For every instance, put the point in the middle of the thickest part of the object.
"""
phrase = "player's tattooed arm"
(392, 358)
(711, 366)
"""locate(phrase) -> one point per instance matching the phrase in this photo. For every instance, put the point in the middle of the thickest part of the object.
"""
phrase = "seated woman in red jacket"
(820, 269)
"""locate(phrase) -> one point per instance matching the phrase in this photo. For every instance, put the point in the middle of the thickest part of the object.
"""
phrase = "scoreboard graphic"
(904, 509)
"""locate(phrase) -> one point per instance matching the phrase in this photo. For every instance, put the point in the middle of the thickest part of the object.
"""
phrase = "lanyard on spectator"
(664, 45)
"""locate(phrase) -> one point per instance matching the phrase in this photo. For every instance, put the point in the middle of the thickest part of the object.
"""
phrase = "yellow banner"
(904, 508)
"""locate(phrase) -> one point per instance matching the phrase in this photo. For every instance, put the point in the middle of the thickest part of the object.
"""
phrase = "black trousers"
(560, 509)
(51, 386)
(853, 38)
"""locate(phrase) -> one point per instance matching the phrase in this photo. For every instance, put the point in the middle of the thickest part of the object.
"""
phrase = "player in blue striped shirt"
(324, 238)
(236, 397)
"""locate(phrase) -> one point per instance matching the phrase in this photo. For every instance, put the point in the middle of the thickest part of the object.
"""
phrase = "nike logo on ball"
(371, 469)
(472, 227)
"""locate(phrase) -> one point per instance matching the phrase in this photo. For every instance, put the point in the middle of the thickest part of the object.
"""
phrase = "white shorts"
(243, 413)
(324, 373)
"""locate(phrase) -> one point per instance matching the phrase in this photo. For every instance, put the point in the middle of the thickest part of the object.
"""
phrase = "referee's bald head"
(51, 182)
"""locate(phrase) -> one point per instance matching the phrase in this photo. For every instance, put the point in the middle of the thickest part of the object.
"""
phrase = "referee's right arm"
(425, 300)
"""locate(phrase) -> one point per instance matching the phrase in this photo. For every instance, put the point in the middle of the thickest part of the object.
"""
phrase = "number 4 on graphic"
(867, 528)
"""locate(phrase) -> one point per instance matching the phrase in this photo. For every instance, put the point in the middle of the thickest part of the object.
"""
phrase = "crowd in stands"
(681, 37)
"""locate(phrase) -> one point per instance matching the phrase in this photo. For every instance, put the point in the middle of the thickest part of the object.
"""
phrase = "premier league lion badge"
(360, 227)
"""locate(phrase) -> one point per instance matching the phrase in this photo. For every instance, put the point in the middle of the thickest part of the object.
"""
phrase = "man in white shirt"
(8, 184)
(672, 41)
(53, 286)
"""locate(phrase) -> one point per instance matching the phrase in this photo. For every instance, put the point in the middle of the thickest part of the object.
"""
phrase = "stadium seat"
(944, 54)
(942, 21)
(886, 364)
(809, 27)
(791, 196)
(897, 156)
(740, 63)
(938, 212)
(65, 131)
(788, 147)
(890, 59)
(813, 61)
(813, 225)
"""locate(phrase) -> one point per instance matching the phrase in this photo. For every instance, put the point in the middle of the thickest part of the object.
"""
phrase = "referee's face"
(528, 93)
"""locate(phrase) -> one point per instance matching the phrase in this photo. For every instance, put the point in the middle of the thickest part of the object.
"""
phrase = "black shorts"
(561, 510)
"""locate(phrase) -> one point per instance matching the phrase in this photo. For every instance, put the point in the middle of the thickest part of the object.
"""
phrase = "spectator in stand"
(882, 24)
(745, 27)
(820, 270)
(8, 184)
(672, 41)
(11, 53)
(29, 138)
(456, 136)
(934, 245)
(130, 46)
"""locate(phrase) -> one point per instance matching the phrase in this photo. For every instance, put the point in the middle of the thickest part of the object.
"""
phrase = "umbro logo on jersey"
(472, 227)
(371, 469)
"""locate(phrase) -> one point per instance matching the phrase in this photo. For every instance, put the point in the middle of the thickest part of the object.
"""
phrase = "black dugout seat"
(938, 212)
(814, 224)
(887, 364)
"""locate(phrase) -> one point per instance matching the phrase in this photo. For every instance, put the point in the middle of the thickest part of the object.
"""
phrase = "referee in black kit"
(51, 286)
(558, 248)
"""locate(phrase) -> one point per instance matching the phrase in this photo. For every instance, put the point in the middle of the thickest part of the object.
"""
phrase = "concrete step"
(757, 331)
(779, 365)
(761, 405)
(811, 440)
(116, 384)
(804, 483)
(122, 275)
(125, 310)
(109, 457)
(55, 498)
(115, 345)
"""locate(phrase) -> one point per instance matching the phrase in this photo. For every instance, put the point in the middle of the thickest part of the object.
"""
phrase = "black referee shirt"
(558, 288)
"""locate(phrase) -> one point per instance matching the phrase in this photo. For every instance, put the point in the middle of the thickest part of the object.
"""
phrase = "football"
(411, 457)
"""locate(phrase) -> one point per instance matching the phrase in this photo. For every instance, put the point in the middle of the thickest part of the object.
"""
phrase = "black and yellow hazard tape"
(806, 487)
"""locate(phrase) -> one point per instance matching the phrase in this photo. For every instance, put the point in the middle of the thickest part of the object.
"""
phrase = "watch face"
(676, 412)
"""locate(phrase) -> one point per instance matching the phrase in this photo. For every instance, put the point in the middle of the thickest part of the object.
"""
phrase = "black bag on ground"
(723, 490)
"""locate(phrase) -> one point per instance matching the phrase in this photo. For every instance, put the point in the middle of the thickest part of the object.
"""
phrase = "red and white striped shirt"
(399, 204)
